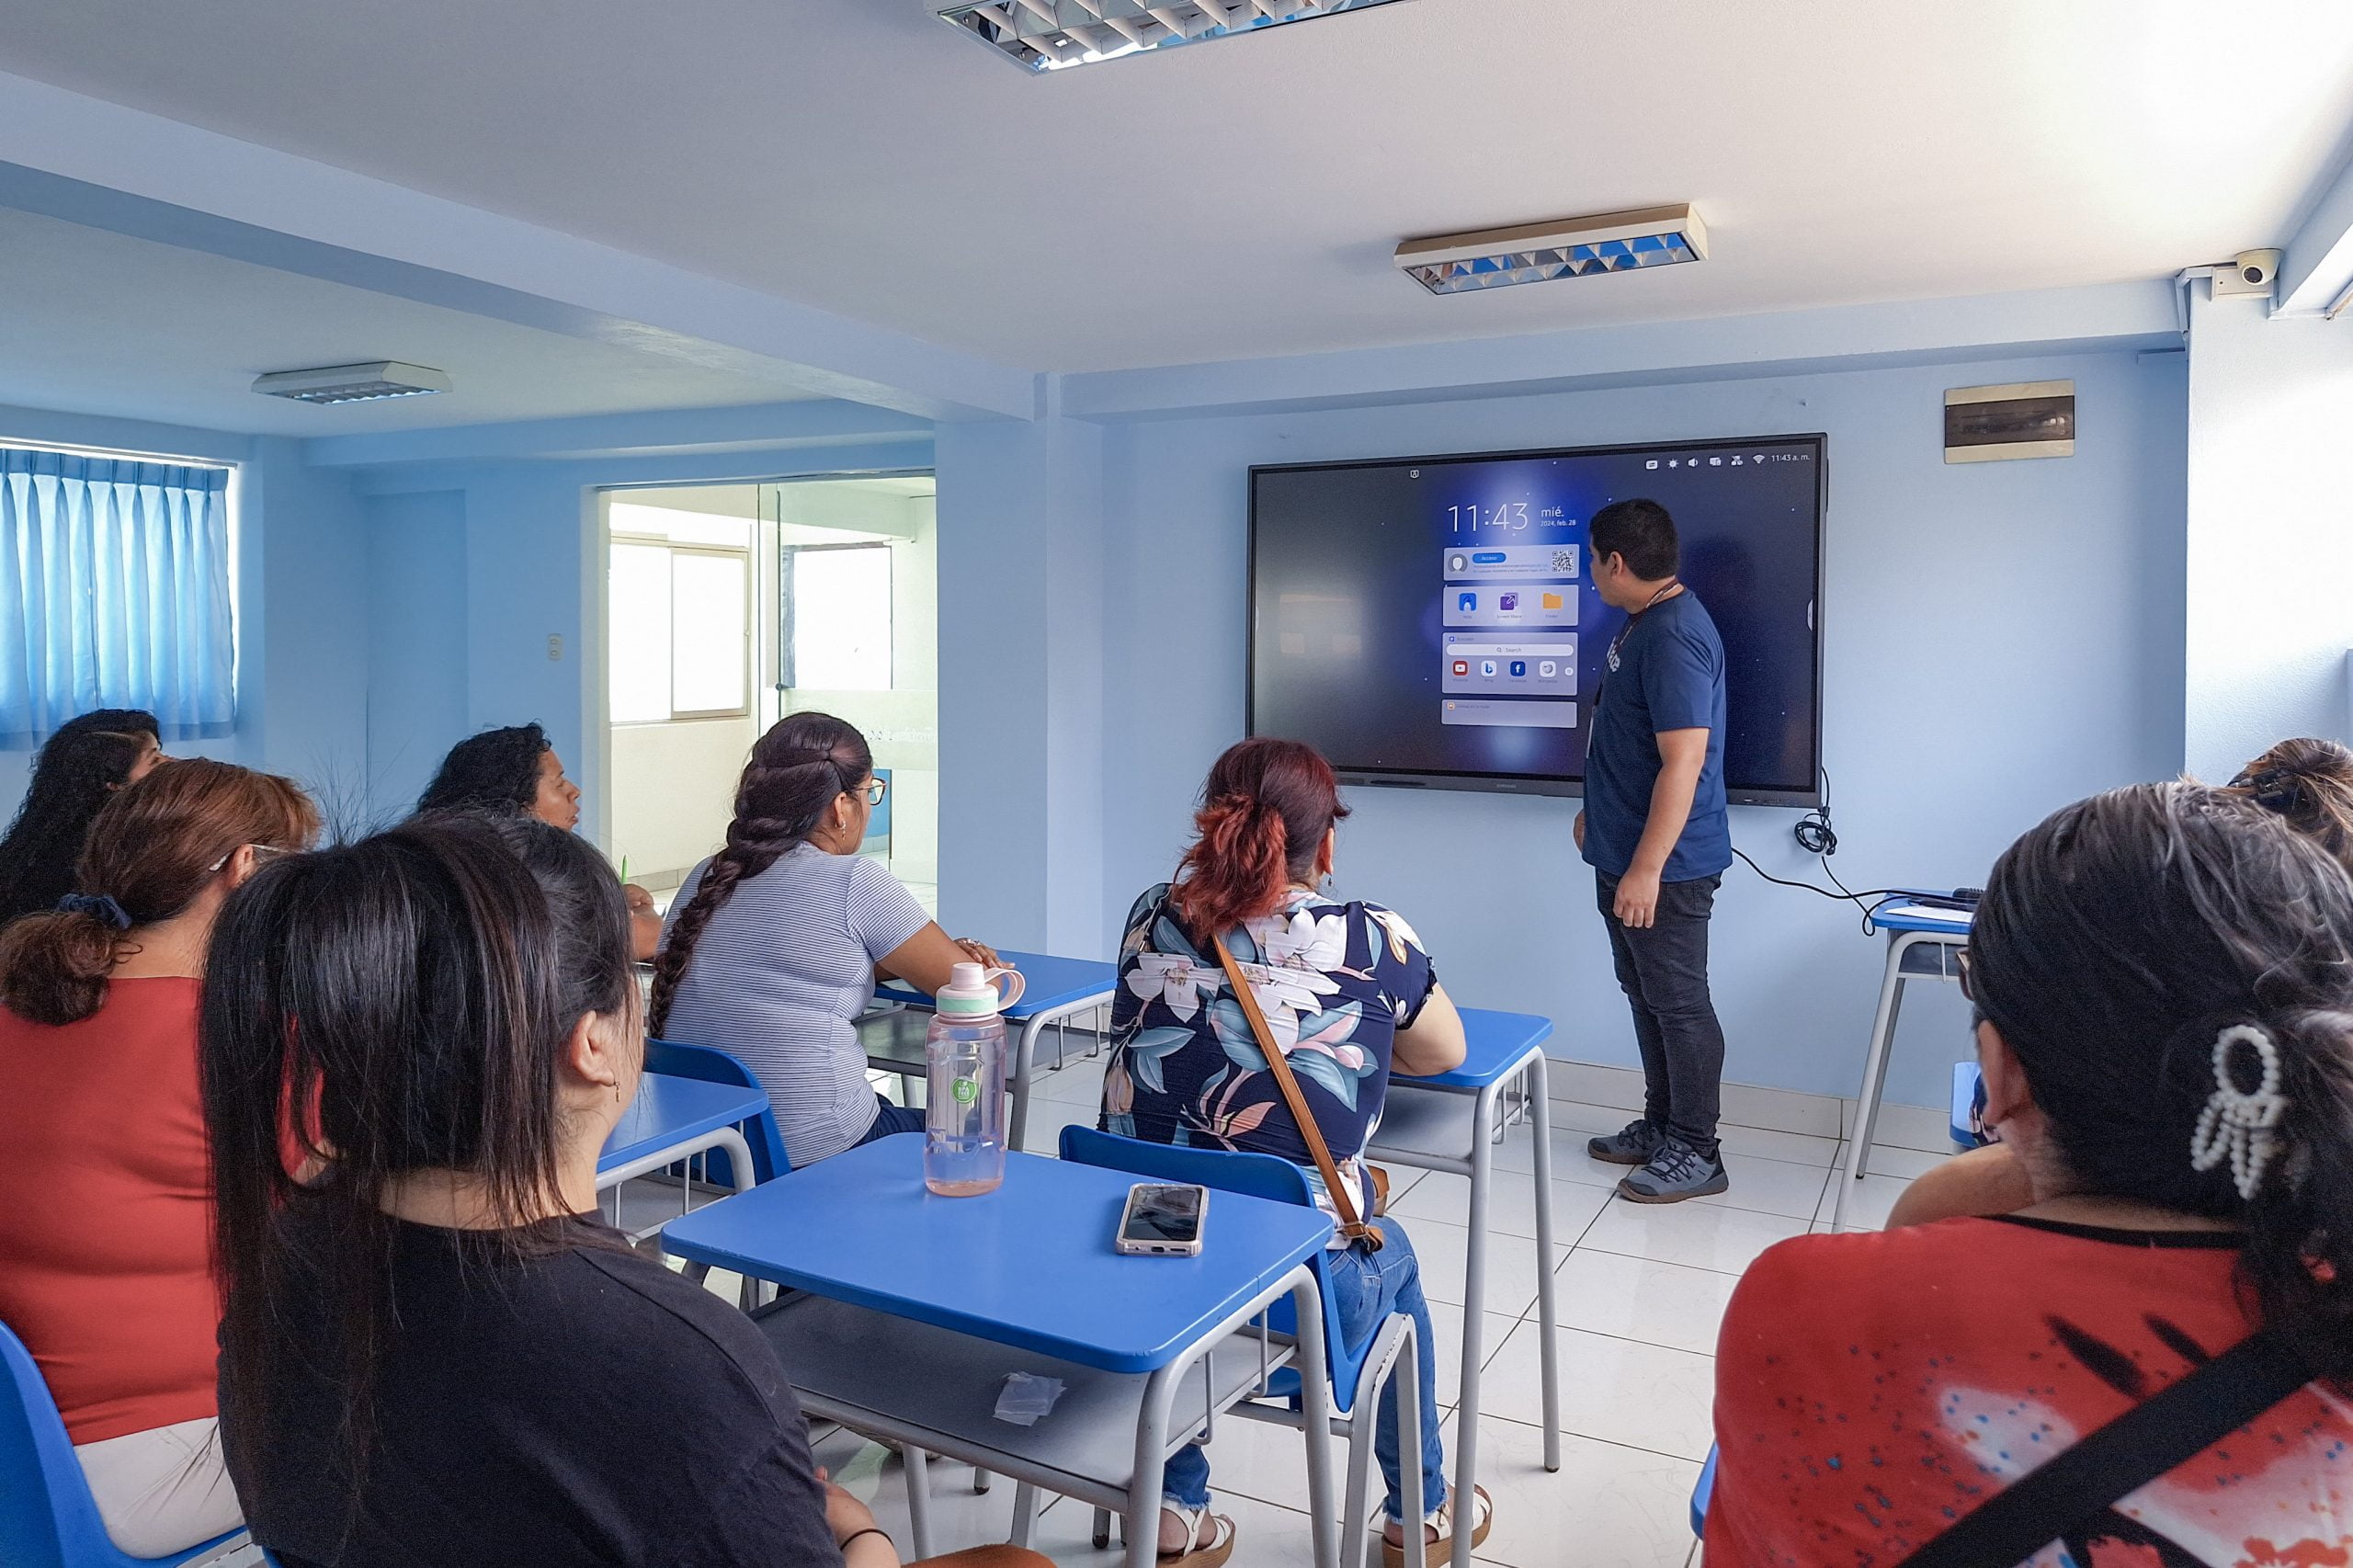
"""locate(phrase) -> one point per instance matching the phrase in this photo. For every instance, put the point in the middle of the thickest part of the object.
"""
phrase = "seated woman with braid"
(773, 945)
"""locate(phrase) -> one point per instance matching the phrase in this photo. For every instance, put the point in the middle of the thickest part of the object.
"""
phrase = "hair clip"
(100, 907)
(2236, 1124)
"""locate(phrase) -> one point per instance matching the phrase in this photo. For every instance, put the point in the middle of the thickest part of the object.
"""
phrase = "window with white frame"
(114, 592)
(679, 617)
(837, 617)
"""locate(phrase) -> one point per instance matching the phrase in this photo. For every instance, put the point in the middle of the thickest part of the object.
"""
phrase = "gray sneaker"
(1633, 1144)
(1675, 1173)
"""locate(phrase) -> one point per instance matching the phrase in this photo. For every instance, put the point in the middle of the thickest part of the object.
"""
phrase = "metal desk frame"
(1492, 1109)
(1915, 950)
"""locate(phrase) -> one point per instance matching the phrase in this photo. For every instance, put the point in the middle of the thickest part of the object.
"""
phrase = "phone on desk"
(1163, 1219)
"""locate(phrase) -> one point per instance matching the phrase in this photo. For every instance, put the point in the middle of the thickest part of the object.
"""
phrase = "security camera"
(2257, 269)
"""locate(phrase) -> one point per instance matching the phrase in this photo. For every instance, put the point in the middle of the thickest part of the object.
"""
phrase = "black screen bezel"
(1553, 784)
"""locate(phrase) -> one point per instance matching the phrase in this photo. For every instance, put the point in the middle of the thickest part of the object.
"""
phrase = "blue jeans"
(890, 1119)
(1367, 1287)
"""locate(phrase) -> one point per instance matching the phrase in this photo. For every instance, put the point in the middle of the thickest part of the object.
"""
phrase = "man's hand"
(1637, 901)
(1578, 831)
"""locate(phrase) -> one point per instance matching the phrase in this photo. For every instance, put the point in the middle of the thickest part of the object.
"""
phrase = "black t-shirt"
(584, 1407)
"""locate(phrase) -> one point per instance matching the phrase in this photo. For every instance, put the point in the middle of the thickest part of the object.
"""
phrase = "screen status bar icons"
(1724, 459)
(1714, 460)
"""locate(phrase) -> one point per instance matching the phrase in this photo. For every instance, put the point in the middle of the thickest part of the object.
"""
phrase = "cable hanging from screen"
(1814, 833)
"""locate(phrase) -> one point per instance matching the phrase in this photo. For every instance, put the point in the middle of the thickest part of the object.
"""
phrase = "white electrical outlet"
(555, 645)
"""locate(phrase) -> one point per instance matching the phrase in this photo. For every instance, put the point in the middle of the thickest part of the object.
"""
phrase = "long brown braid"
(796, 771)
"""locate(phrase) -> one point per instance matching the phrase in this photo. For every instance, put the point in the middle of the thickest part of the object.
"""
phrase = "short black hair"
(496, 771)
(1640, 530)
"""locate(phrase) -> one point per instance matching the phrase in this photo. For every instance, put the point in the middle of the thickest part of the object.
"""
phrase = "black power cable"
(1817, 837)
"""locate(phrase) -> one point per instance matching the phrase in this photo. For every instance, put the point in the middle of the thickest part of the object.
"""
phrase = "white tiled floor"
(1641, 1289)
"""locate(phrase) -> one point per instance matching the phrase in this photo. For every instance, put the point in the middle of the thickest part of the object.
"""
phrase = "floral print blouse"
(1335, 981)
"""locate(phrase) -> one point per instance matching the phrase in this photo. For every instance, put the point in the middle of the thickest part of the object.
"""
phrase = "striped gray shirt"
(779, 973)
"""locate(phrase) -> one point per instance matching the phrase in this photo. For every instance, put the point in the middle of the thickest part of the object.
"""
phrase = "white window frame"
(742, 553)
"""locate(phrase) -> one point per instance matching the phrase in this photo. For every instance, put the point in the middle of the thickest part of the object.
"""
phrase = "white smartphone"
(1163, 1219)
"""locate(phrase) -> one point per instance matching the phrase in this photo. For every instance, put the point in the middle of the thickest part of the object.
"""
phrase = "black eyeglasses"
(875, 790)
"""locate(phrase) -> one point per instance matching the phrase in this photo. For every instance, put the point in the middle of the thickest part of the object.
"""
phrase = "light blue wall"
(489, 560)
(416, 641)
(301, 646)
(2000, 639)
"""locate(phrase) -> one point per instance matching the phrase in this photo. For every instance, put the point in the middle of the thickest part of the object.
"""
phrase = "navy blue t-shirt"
(1668, 675)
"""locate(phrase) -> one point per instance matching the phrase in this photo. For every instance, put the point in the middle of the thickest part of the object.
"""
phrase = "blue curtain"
(114, 593)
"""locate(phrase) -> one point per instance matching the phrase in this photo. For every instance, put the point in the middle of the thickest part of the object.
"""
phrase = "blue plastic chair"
(1703, 1493)
(1357, 1370)
(47, 1518)
(709, 1065)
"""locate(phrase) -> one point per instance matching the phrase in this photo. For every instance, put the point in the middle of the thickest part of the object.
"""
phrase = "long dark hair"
(1264, 815)
(403, 1001)
(495, 771)
(2309, 782)
(78, 769)
(800, 767)
(2115, 944)
(154, 848)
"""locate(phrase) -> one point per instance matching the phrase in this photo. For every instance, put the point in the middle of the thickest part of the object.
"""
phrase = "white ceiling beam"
(2318, 266)
(98, 164)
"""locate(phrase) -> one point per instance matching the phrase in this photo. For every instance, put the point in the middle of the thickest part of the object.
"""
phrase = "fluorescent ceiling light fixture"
(1566, 247)
(353, 383)
(1047, 35)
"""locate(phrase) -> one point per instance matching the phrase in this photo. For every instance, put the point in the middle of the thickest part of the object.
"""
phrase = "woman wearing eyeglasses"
(107, 1277)
(774, 945)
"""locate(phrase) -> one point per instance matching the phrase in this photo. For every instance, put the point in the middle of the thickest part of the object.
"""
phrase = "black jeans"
(1663, 972)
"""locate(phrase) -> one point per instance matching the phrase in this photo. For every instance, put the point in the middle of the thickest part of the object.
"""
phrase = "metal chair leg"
(1103, 1517)
(1025, 1512)
(981, 1479)
(918, 1499)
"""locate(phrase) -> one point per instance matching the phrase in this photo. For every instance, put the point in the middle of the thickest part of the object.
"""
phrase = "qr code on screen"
(1564, 560)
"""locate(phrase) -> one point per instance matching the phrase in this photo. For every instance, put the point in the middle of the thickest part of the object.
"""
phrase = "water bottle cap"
(968, 993)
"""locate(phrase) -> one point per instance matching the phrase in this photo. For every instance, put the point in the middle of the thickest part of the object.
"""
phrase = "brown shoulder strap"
(1355, 1230)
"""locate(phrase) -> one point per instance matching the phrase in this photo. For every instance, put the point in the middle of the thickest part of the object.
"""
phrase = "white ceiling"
(94, 322)
(1242, 199)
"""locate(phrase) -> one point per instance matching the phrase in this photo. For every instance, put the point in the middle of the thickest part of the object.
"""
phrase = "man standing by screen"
(1655, 831)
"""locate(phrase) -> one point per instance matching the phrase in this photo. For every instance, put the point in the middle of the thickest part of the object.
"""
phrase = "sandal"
(1441, 1519)
(1196, 1555)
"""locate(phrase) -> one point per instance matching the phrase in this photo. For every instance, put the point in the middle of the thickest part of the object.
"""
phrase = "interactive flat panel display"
(1433, 622)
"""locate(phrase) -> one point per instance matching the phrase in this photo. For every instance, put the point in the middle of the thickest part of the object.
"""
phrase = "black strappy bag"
(2120, 1457)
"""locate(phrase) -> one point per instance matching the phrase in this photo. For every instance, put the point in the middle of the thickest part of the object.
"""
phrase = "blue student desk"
(1450, 1123)
(1921, 945)
(674, 1118)
(1052, 992)
(918, 1306)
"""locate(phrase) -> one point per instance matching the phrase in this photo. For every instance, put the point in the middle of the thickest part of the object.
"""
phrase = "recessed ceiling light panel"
(353, 383)
(1568, 247)
(1048, 35)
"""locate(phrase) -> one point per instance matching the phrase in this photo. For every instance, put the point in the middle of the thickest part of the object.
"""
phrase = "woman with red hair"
(1346, 992)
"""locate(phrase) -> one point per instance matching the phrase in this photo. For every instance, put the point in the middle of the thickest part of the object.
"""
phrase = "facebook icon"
(1466, 603)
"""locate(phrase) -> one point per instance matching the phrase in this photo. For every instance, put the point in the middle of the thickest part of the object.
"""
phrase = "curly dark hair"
(801, 766)
(496, 771)
(78, 770)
